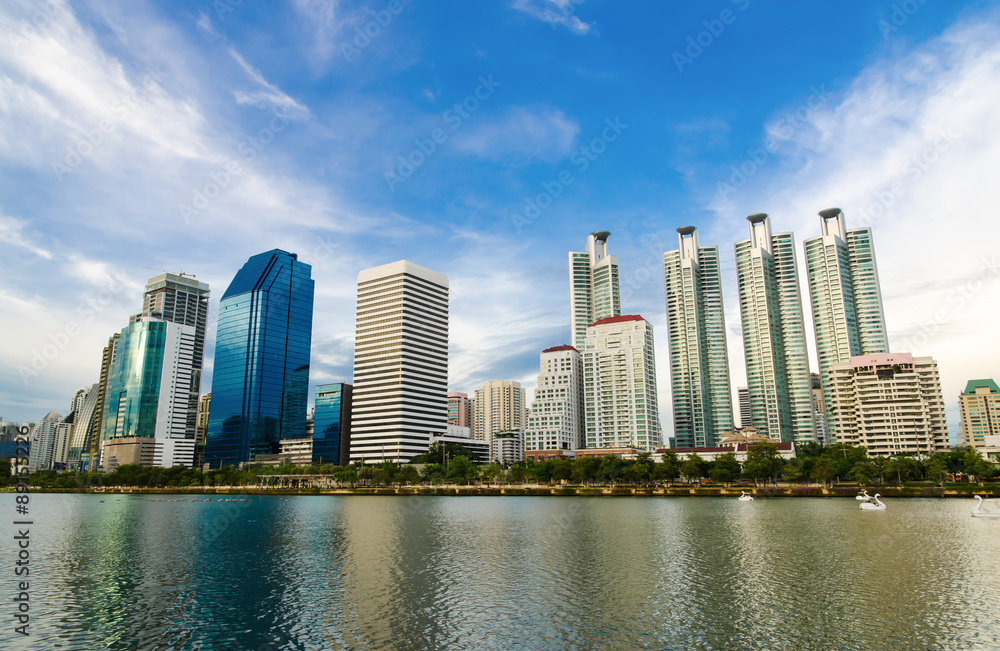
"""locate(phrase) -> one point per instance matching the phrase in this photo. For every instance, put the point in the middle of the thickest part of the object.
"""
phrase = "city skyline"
(79, 238)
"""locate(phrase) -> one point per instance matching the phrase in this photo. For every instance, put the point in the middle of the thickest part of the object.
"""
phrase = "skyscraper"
(148, 392)
(743, 395)
(696, 327)
(556, 419)
(260, 381)
(848, 317)
(400, 362)
(331, 435)
(619, 385)
(774, 334)
(499, 406)
(93, 457)
(177, 299)
(593, 286)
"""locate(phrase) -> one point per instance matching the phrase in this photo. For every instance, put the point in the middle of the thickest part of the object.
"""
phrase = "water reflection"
(135, 572)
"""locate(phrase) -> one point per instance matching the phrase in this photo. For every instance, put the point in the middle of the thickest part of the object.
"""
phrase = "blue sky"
(191, 135)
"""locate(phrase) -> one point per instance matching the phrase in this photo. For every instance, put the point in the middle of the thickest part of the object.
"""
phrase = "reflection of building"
(620, 385)
(499, 406)
(400, 362)
(507, 448)
(148, 389)
(556, 418)
(890, 403)
(980, 408)
(593, 286)
(332, 424)
(848, 318)
(459, 409)
(774, 334)
(261, 377)
(699, 361)
(83, 417)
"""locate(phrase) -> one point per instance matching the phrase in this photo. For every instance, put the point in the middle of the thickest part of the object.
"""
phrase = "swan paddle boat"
(979, 512)
(863, 496)
(874, 505)
(744, 497)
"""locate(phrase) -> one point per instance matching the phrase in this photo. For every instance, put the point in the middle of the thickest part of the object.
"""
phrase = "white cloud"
(270, 97)
(12, 232)
(545, 133)
(555, 12)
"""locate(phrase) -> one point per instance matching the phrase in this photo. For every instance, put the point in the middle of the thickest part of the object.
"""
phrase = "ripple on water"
(502, 573)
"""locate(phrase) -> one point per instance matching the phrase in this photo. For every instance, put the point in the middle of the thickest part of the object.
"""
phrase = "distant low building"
(980, 408)
(479, 450)
(786, 450)
(507, 448)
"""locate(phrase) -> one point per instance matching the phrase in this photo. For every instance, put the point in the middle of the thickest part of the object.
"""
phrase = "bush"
(565, 491)
(621, 491)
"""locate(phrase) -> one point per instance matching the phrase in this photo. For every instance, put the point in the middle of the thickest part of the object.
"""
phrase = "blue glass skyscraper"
(332, 424)
(260, 380)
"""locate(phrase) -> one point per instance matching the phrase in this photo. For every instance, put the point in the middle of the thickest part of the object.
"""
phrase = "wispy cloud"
(555, 12)
(269, 96)
(545, 133)
(12, 232)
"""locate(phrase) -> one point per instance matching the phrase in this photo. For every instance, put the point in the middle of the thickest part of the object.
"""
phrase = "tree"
(585, 469)
(406, 475)
(863, 472)
(725, 468)
(937, 467)
(669, 467)
(693, 467)
(461, 470)
(976, 466)
(823, 471)
(763, 462)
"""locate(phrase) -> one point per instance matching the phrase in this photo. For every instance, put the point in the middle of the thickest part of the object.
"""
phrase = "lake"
(432, 572)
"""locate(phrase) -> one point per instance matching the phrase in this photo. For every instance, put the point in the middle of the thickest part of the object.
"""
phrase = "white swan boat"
(863, 496)
(979, 512)
(744, 497)
(874, 505)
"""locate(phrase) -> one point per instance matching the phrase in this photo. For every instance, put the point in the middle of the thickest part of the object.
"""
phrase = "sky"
(485, 140)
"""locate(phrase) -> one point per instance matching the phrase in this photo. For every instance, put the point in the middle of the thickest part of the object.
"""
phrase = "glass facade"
(133, 392)
(332, 424)
(260, 381)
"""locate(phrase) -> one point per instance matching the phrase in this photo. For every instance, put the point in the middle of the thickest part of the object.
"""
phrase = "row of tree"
(814, 463)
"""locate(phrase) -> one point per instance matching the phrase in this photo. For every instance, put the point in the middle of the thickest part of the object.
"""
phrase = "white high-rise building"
(696, 326)
(556, 418)
(593, 286)
(619, 385)
(400, 362)
(848, 317)
(43, 440)
(774, 334)
(499, 406)
(179, 298)
(890, 403)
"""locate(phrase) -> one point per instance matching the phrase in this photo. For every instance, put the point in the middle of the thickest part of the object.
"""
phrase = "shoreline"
(987, 492)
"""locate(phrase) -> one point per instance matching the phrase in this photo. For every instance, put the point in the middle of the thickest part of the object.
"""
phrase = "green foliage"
(725, 468)
(763, 462)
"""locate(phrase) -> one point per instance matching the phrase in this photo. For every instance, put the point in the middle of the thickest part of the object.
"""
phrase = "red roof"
(618, 319)
(556, 349)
